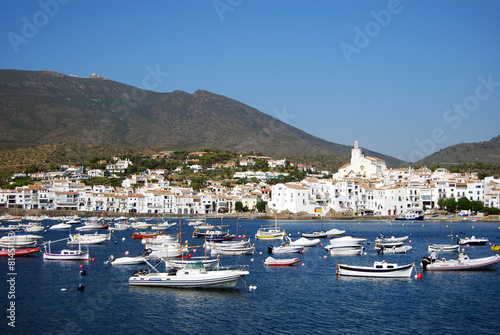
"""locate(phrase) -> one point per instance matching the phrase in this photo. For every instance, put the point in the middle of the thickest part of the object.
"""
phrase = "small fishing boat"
(8, 252)
(316, 234)
(233, 251)
(269, 261)
(141, 235)
(192, 276)
(126, 260)
(411, 216)
(463, 262)
(65, 254)
(383, 239)
(379, 270)
(196, 222)
(443, 248)
(395, 250)
(19, 241)
(382, 245)
(473, 241)
(345, 250)
(61, 226)
(495, 247)
(270, 232)
(87, 239)
(347, 241)
(335, 232)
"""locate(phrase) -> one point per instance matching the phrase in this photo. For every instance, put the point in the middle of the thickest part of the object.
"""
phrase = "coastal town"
(365, 186)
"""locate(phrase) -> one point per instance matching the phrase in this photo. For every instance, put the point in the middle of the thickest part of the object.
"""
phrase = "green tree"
(261, 206)
(451, 205)
(463, 204)
(477, 206)
(31, 169)
(238, 206)
(442, 202)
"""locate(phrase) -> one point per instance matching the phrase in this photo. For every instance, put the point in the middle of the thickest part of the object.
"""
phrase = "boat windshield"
(195, 265)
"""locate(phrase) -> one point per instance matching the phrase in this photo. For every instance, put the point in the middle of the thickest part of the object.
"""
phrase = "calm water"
(306, 299)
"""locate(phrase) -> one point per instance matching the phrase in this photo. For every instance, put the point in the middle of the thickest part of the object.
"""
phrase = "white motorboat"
(34, 228)
(347, 241)
(345, 251)
(395, 250)
(196, 222)
(383, 245)
(473, 241)
(167, 250)
(443, 248)
(61, 226)
(285, 248)
(141, 225)
(383, 239)
(19, 241)
(305, 242)
(335, 232)
(65, 254)
(269, 261)
(379, 270)
(192, 276)
(87, 239)
(315, 234)
(125, 260)
(463, 262)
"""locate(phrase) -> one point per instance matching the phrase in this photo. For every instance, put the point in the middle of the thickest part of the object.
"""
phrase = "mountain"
(46, 108)
(470, 153)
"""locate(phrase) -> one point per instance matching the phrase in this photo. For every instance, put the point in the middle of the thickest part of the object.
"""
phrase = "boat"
(411, 216)
(285, 248)
(196, 222)
(346, 241)
(87, 239)
(65, 254)
(270, 232)
(192, 276)
(472, 241)
(125, 260)
(383, 245)
(305, 242)
(92, 224)
(141, 235)
(395, 250)
(182, 262)
(160, 239)
(269, 261)
(166, 250)
(19, 241)
(383, 239)
(316, 234)
(34, 228)
(345, 250)
(141, 225)
(213, 234)
(9, 252)
(61, 226)
(379, 270)
(233, 250)
(463, 262)
(495, 247)
(443, 248)
(335, 232)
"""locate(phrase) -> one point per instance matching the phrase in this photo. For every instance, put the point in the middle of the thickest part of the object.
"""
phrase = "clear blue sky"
(403, 78)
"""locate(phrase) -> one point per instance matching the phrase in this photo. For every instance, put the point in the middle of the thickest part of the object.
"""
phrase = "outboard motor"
(270, 249)
(425, 261)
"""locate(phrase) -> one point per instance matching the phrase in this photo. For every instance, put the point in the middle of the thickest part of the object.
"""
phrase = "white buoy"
(123, 238)
(63, 289)
(126, 253)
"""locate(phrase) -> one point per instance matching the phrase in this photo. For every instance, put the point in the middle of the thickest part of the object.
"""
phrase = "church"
(360, 165)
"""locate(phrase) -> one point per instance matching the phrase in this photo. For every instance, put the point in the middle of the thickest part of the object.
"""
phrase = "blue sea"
(304, 299)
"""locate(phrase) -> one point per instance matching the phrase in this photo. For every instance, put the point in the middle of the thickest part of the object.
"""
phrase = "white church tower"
(356, 154)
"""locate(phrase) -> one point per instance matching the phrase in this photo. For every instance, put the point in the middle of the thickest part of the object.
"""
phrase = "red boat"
(141, 235)
(280, 262)
(19, 252)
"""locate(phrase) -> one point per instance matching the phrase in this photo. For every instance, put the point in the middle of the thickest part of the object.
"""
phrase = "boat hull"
(403, 271)
(209, 279)
(460, 264)
(269, 261)
(19, 252)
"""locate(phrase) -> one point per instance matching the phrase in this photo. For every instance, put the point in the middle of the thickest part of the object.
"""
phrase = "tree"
(261, 206)
(442, 202)
(451, 205)
(477, 206)
(463, 204)
(238, 206)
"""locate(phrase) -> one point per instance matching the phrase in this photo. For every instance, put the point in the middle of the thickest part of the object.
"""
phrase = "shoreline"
(281, 217)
